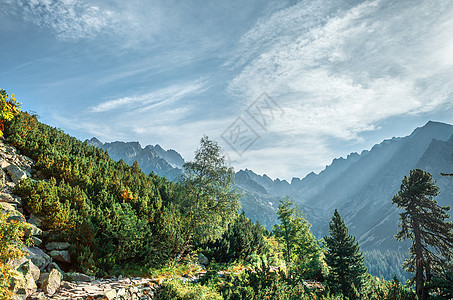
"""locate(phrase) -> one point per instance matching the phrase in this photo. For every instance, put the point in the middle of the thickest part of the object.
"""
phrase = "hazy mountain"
(362, 185)
(167, 163)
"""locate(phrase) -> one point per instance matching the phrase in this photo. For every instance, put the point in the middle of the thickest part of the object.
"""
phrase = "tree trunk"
(419, 277)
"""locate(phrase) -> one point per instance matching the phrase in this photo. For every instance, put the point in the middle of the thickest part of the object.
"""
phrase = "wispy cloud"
(150, 100)
(341, 75)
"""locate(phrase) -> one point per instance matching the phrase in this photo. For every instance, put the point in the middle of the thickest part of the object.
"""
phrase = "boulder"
(28, 267)
(111, 294)
(16, 173)
(50, 283)
(38, 257)
(23, 284)
(57, 246)
(38, 296)
(60, 255)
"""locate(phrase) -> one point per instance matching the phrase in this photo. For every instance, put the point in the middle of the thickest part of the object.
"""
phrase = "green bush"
(176, 289)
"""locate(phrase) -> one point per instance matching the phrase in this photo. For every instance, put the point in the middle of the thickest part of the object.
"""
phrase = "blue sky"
(337, 76)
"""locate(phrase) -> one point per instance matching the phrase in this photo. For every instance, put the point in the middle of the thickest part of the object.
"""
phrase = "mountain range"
(360, 186)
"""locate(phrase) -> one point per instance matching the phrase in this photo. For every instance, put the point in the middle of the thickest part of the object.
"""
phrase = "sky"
(283, 86)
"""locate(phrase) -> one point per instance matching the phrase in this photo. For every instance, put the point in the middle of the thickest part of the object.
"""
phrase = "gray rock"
(15, 215)
(202, 260)
(35, 220)
(60, 255)
(68, 285)
(16, 173)
(33, 231)
(56, 267)
(36, 241)
(5, 197)
(51, 283)
(57, 246)
(38, 257)
(38, 296)
(79, 277)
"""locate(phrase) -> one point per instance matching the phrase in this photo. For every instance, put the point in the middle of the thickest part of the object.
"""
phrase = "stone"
(2, 179)
(7, 206)
(57, 246)
(23, 284)
(38, 257)
(35, 220)
(68, 285)
(111, 294)
(202, 260)
(55, 266)
(28, 267)
(61, 255)
(5, 197)
(16, 173)
(79, 277)
(15, 215)
(36, 241)
(38, 296)
(33, 231)
(51, 283)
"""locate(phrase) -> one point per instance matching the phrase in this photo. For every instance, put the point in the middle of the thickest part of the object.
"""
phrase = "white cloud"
(151, 100)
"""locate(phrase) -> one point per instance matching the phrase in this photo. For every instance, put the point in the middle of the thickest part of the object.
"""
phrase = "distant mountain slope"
(166, 163)
(362, 185)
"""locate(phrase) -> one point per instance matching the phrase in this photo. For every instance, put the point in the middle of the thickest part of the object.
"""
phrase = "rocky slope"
(166, 163)
(39, 275)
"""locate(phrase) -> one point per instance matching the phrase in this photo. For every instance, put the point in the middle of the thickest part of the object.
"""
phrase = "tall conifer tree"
(344, 258)
(424, 222)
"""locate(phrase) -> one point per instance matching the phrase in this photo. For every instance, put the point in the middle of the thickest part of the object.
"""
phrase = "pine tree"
(344, 258)
(424, 222)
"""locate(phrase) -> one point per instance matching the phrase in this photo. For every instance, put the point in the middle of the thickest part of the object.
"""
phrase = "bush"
(11, 243)
(176, 289)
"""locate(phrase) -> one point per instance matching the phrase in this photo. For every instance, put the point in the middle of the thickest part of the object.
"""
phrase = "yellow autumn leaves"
(8, 108)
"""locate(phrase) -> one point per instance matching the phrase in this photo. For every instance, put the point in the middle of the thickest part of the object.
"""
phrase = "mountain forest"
(190, 234)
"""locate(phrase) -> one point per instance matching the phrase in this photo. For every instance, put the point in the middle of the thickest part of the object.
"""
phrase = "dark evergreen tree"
(424, 222)
(242, 239)
(345, 260)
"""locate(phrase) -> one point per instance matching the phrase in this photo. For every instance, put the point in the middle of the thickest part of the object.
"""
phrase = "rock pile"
(38, 276)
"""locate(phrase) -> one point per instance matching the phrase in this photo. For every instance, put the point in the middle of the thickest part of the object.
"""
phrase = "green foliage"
(260, 283)
(425, 223)
(176, 289)
(108, 210)
(303, 255)
(241, 240)
(8, 108)
(11, 243)
(345, 261)
(208, 202)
